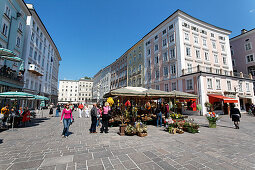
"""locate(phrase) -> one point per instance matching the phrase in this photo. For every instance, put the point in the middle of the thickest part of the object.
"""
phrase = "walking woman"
(235, 115)
(159, 115)
(66, 118)
(105, 118)
(86, 108)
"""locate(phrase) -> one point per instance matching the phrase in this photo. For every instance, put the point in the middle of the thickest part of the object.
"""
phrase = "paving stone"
(26, 165)
(61, 166)
(139, 158)
(57, 160)
(165, 165)
(129, 164)
(96, 167)
(119, 167)
(115, 161)
(149, 166)
(47, 168)
(102, 154)
(82, 157)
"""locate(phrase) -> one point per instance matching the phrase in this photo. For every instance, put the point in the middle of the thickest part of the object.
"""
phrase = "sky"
(91, 34)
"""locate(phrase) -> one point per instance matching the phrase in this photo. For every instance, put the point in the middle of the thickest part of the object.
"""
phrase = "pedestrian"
(58, 110)
(105, 118)
(51, 110)
(66, 118)
(99, 114)
(235, 115)
(5, 114)
(93, 113)
(26, 116)
(158, 112)
(80, 107)
(86, 108)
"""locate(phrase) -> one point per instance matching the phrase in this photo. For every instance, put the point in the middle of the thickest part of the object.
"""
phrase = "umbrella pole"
(12, 122)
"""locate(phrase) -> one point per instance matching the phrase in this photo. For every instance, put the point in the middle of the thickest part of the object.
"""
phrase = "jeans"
(105, 120)
(93, 124)
(159, 118)
(57, 113)
(66, 123)
(80, 113)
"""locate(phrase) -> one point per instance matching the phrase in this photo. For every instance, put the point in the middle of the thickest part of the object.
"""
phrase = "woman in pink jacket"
(67, 115)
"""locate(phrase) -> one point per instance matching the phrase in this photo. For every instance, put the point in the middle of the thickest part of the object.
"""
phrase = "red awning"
(215, 98)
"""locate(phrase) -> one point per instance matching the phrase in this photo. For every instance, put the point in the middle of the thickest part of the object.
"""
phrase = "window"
(208, 69)
(195, 39)
(148, 42)
(233, 62)
(134, 58)
(194, 28)
(209, 83)
(240, 86)
(157, 87)
(249, 58)
(43, 62)
(164, 31)
(164, 42)
(165, 56)
(214, 45)
(218, 87)
(171, 27)
(156, 47)
(149, 63)
(188, 51)
(189, 66)
(40, 46)
(156, 59)
(18, 41)
(186, 35)
(217, 71)
(165, 71)
(172, 53)
(172, 69)
(247, 87)
(7, 11)
(224, 60)
(174, 86)
(216, 58)
(32, 36)
(31, 51)
(198, 54)
(203, 32)
(247, 46)
(35, 55)
(5, 29)
(157, 74)
(229, 85)
(232, 52)
(140, 68)
(156, 37)
(222, 47)
(189, 84)
(166, 87)
(206, 56)
(221, 38)
(212, 35)
(171, 38)
(20, 27)
(148, 51)
(39, 59)
(204, 42)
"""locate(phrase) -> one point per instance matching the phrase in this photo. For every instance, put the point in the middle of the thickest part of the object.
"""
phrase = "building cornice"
(242, 35)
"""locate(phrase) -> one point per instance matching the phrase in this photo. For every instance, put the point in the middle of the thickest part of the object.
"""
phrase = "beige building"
(85, 90)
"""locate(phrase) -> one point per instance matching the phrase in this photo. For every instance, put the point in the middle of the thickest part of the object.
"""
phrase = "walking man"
(235, 115)
(93, 113)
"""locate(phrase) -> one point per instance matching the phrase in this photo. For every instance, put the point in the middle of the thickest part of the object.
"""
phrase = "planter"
(122, 130)
(142, 134)
(212, 124)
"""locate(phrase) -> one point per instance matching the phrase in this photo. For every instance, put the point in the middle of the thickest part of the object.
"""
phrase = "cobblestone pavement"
(41, 147)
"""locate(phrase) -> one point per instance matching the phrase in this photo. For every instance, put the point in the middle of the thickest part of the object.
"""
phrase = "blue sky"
(91, 34)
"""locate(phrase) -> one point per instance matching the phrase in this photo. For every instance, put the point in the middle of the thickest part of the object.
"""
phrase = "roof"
(242, 34)
(178, 11)
(31, 8)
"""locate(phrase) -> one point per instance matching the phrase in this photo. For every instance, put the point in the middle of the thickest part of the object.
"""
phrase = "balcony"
(35, 70)
(210, 70)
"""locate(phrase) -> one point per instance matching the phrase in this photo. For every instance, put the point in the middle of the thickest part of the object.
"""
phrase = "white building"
(68, 91)
(101, 83)
(85, 90)
(186, 54)
(41, 58)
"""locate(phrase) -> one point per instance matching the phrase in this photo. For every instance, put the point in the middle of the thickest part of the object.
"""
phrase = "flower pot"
(212, 124)
(122, 130)
(142, 134)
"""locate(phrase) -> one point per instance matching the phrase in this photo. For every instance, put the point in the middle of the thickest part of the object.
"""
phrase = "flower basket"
(142, 134)
(212, 124)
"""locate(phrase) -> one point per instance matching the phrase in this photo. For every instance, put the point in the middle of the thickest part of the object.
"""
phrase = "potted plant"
(212, 119)
(141, 129)
(130, 130)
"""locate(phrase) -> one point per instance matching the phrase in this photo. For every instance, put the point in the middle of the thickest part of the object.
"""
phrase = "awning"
(215, 98)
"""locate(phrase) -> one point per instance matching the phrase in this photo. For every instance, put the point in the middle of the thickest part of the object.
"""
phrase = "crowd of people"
(17, 117)
(12, 74)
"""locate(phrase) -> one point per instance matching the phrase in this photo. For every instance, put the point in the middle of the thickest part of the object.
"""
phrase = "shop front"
(245, 102)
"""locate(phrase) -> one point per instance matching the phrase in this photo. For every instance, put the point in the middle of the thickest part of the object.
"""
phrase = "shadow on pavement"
(1, 141)
(34, 122)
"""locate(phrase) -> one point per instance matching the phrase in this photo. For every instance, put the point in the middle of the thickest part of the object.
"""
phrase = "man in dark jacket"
(235, 115)
(93, 114)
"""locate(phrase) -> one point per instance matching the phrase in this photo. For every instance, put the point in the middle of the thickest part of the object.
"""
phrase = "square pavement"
(40, 146)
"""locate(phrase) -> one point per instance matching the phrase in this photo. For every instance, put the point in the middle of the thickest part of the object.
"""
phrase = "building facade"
(119, 72)
(13, 15)
(186, 54)
(135, 65)
(242, 51)
(96, 87)
(85, 90)
(68, 91)
(41, 59)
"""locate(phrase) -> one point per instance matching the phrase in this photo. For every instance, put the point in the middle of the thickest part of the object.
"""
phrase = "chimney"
(243, 31)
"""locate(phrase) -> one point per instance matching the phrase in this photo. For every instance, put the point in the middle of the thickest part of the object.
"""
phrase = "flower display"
(213, 119)
(110, 101)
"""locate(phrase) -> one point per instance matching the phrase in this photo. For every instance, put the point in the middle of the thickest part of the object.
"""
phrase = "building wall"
(119, 72)
(240, 53)
(68, 91)
(85, 90)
